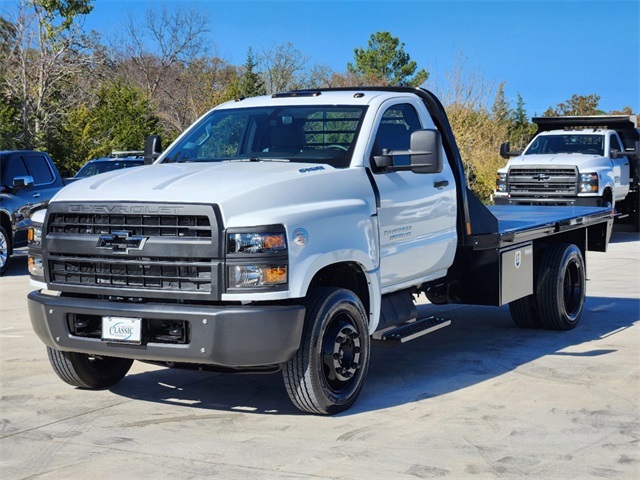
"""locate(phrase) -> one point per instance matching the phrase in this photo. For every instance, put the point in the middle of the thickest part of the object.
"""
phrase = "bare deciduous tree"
(49, 51)
(163, 40)
(284, 68)
(467, 96)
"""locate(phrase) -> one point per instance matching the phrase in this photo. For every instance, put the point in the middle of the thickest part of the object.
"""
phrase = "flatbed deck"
(520, 223)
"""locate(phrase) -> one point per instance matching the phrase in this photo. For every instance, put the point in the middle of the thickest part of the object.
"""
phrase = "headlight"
(35, 236)
(256, 276)
(257, 258)
(588, 183)
(36, 266)
(501, 182)
(257, 242)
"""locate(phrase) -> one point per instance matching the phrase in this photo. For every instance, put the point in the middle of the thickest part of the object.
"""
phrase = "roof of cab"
(316, 97)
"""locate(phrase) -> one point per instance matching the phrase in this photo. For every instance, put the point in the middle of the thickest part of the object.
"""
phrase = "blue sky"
(544, 50)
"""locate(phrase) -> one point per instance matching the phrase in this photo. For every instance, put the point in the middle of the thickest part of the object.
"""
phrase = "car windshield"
(307, 134)
(569, 143)
(95, 168)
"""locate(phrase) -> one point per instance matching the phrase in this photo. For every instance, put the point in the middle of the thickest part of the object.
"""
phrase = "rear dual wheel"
(560, 291)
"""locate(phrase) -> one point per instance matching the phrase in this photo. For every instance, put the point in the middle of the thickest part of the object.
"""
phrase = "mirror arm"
(385, 161)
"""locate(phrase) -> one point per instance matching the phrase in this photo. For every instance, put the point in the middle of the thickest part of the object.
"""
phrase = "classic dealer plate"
(122, 329)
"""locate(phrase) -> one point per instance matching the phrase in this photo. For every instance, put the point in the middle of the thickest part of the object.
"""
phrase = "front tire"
(87, 371)
(560, 289)
(5, 250)
(327, 372)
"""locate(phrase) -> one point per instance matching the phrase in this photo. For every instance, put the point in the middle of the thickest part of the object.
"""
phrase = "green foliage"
(250, 84)
(578, 105)
(120, 120)
(386, 59)
(10, 131)
(520, 129)
(59, 15)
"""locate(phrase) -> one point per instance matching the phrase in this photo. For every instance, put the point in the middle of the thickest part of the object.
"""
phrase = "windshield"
(95, 168)
(587, 144)
(308, 134)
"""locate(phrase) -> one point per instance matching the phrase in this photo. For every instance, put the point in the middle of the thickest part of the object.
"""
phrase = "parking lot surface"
(479, 399)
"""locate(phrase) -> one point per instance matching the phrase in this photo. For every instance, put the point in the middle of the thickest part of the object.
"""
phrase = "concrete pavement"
(479, 399)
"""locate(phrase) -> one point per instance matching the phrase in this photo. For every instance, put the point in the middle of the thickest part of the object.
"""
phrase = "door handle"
(440, 183)
(36, 195)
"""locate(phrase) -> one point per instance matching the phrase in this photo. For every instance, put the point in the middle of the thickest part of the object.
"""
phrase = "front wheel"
(327, 372)
(88, 371)
(5, 249)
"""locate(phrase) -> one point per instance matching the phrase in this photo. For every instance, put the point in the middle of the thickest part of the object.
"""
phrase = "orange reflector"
(273, 242)
(274, 275)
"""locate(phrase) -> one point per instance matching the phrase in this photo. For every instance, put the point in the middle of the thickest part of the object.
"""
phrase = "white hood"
(582, 161)
(265, 187)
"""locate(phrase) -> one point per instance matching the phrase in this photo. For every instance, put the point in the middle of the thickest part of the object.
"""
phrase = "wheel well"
(347, 275)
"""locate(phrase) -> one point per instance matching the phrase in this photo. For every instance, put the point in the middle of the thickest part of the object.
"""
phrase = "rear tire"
(327, 372)
(87, 371)
(560, 288)
(524, 312)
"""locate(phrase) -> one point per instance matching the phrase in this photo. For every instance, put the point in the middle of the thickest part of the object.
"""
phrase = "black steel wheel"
(5, 250)
(327, 373)
(88, 371)
(561, 287)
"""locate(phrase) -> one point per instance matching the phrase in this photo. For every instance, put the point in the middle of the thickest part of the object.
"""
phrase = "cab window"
(394, 131)
(39, 169)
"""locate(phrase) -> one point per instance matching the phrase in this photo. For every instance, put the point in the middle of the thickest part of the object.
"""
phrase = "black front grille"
(170, 251)
(182, 274)
(542, 181)
(138, 225)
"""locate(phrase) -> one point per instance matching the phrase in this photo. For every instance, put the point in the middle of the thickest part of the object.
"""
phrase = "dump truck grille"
(542, 181)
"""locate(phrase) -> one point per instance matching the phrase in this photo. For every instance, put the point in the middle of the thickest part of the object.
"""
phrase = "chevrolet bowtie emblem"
(541, 177)
(121, 242)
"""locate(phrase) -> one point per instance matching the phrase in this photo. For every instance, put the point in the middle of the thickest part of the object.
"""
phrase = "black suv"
(28, 180)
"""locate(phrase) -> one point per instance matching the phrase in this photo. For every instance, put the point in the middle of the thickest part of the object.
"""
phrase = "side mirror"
(22, 182)
(505, 151)
(425, 148)
(619, 154)
(152, 149)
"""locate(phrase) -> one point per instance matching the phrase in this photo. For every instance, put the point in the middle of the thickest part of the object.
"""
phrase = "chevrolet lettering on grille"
(120, 242)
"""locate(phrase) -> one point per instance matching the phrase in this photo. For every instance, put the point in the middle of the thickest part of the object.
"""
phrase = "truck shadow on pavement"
(481, 344)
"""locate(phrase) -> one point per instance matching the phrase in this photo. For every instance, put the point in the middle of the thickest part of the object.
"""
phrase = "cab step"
(411, 330)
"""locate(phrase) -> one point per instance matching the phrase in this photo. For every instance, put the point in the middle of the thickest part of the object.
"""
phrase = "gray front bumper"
(568, 201)
(230, 336)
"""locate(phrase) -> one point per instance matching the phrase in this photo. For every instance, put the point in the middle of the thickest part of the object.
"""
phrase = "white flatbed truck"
(286, 233)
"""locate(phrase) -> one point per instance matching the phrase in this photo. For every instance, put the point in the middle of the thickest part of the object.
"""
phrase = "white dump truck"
(576, 161)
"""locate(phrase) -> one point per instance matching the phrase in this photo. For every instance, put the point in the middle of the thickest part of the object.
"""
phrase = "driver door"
(417, 213)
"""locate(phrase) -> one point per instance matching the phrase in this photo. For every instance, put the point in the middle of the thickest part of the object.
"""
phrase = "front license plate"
(122, 329)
